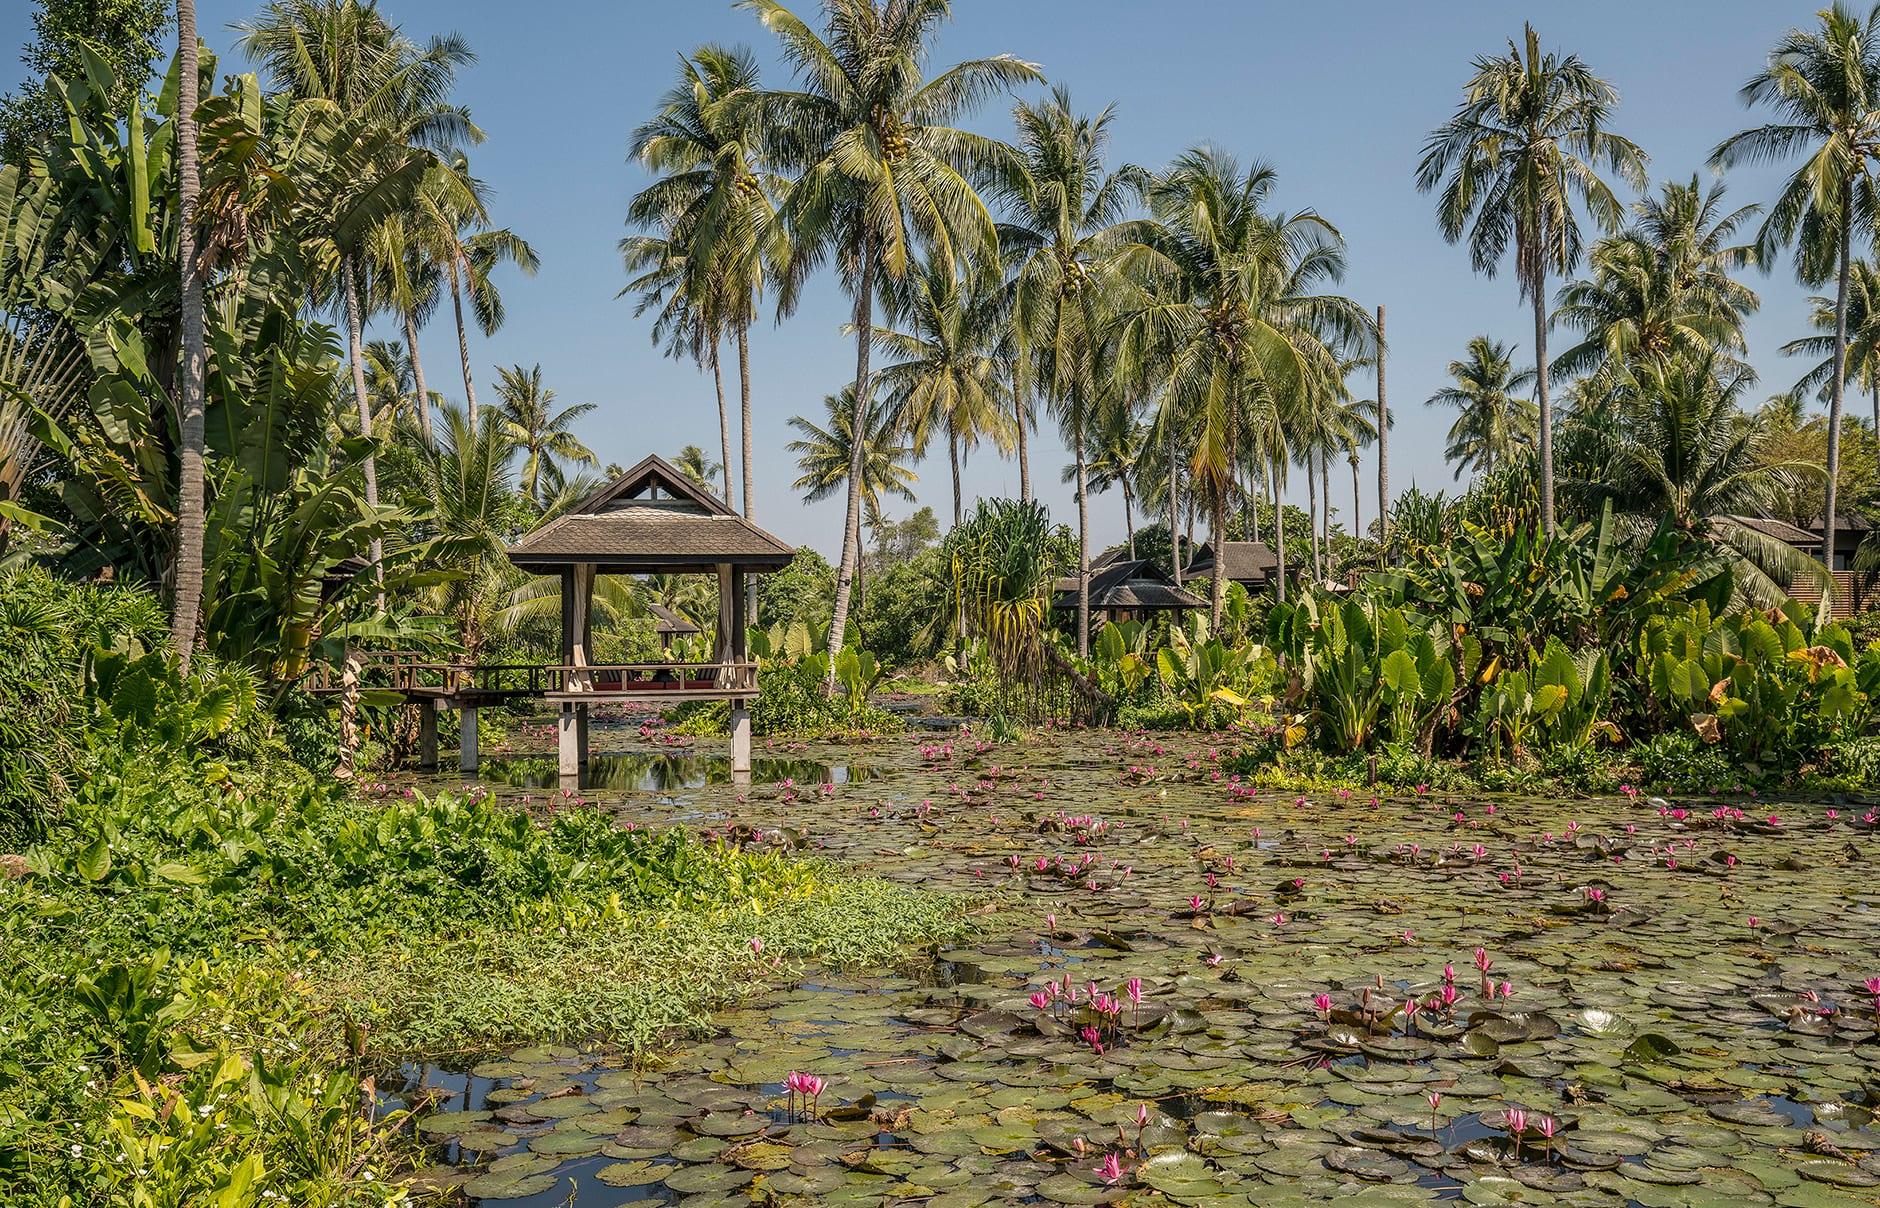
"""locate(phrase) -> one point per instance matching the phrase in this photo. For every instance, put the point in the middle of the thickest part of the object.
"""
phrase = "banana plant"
(1354, 661)
(1206, 675)
(1119, 660)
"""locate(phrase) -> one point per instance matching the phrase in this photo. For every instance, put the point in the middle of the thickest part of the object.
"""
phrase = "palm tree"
(527, 414)
(1824, 85)
(476, 250)
(1493, 420)
(714, 197)
(1231, 309)
(689, 318)
(468, 483)
(1526, 141)
(950, 374)
(344, 54)
(1116, 449)
(191, 513)
(825, 454)
(876, 165)
(1662, 288)
(1067, 224)
(1863, 336)
(697, 465)
(1687, 452)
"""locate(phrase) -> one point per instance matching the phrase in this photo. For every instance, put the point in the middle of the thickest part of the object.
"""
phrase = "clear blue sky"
(1337, 96)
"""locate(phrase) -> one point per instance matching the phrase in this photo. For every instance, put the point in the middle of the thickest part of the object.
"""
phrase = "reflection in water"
(663, 773)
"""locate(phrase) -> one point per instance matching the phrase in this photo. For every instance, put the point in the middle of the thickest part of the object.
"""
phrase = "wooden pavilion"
(652, 519)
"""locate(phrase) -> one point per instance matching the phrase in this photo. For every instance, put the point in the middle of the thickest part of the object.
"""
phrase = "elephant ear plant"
(1357, 663)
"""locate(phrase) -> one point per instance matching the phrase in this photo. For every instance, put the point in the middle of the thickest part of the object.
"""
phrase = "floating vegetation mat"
(1186, 993)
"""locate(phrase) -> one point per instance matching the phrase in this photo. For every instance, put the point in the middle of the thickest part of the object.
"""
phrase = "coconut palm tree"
(1824, 85)
(1863, 337)
(470, 486)
(526, 411)
(1485, 387)
(697, 465)
(344, 54)
(1526, 142)
(1685, 450)
(876, 166)
(1068, 227)
(1231, 306)
(713, 194)
(1116, 451)
(950, 369)
(1662, 288)
(689, 317)
(824, 454)
(191, 513)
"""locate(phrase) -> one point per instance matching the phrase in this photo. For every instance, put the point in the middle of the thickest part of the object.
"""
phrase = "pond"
(643, 773)
(1189, 993)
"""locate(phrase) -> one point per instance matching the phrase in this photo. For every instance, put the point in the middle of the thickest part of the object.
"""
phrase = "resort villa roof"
(652, 518)
(1248, 563)
(1121, 585)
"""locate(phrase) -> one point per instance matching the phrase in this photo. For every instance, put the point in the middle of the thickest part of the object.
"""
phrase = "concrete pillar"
(740, 738)
(581, 732)
(569, 728)
(427, 735)
(467, 742)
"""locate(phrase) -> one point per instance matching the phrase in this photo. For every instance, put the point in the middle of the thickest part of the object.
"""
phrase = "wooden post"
(569, 739)
(467, 741)
(427, 734)
(740, 706)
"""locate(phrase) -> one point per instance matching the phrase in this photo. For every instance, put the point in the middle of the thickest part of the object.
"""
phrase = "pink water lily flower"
(1111, 1169)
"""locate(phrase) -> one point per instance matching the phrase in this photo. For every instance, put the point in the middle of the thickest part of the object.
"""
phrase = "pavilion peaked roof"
(651, 518)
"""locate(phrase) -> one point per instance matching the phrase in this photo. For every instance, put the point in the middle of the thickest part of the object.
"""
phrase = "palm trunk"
(953, 458)
(1024, 453)
(1129, 520)
(1546, 406)
(1217, 590)
(463, 350)
(1357, 492)
(852, 523)
(1253, 501)
(355, 327)
(1083, 548)
(724, 428)
(1312, 518)
(1838, 397)
(1279, 529)
(1325, 494)
(1174, 509)
(191, 490)
(744, 405)
(1383, 441)
(417, 380)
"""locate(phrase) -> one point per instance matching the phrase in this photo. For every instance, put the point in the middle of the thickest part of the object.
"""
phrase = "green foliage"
(801, 592)
(127, 33)
(1356, 661)
(1209, 679)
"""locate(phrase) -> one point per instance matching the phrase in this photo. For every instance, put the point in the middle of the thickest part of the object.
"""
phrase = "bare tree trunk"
(1083, 548)
(1383, 441)
(1253, 499)
(1546, 405)
(463, 350)
(724, 429)
(1217, 588)
(852, 523)
(1838, 397)
(191, 488)
(1357, 501)
(355, 328)
(953, 458)
(744, 404)
(417, 381)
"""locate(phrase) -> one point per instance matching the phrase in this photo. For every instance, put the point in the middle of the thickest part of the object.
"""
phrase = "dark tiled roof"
(1247, 562)
(624, 526)
(1125, 584)
(1781, 530)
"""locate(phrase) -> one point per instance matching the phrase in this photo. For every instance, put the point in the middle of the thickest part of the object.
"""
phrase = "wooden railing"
(420, 675)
